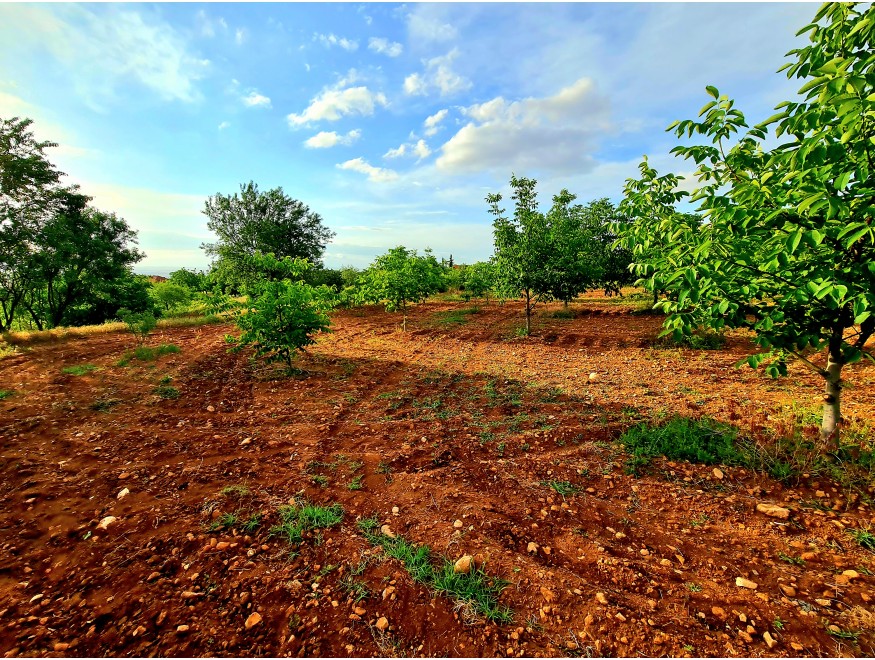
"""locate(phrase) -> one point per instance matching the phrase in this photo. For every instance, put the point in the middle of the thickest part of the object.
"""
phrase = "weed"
(796, 561)
(298, 518)
(501, 447)
(534, 624)
(147, 354)
(476, 590)
(166, 392)
(225, 521)
(237, 490)
(368, 525)
(385, 468)
(695, 588)
(702, 520)
(525, 447)
(564, 314)
(852, 635)
(864, 537)
(79, 369)
(486, 436)
(562, 487)
(681, 438)
(319, 480)
(103, 405)
(455, 316)
(356, 484)
(777, 624)
(5, 394)
(355, 589)
(252, 523)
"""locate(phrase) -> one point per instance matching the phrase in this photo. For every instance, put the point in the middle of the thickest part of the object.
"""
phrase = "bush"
(696, 440)
(139, 324)
(169, 295)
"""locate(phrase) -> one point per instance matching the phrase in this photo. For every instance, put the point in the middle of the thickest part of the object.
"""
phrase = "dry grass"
(26, 337)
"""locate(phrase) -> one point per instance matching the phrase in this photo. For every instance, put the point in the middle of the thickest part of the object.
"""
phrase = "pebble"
(106, 522)
(122, 493)
(744, 583)
(458, 524)
(211, 409)
(746, 637)
(773, 510)
(788, 591)
(385, 530)
(717, 472)
(851, 574)
(532, 547)
(593, 377)
(252, 620)
(395, 510)
(223, 545)
(718, 612)
(600, 597)
(464, 564)
(182, 629)
(770, 641)
(382, 623)
(359, 611)
(61, 647)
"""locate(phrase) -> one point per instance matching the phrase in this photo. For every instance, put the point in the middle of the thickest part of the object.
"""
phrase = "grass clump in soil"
(147, 353)
(79, 369)
(475, 591)
(5, 394)
(680, 438)
(301, 517)
(564, 488)
(166, 392)
(864, 537)
(455, 316)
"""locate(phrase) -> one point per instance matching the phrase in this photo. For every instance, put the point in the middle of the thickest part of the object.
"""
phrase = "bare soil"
(455, 419)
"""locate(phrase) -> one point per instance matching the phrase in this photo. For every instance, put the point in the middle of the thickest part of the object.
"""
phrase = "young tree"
(401, 277)
(266, 222)
(193, 280)
(169, 295)
(284, 313)
(480, 279)
(787, 248)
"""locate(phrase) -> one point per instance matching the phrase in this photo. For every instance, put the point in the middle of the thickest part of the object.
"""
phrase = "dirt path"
(449, 421)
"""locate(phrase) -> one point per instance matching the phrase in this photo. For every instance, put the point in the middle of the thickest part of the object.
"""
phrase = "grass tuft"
(79, 369)
(298, 518)
(147, 353)
(5, 394)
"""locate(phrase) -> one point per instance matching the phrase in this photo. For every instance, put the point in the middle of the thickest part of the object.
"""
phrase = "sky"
(391, 121)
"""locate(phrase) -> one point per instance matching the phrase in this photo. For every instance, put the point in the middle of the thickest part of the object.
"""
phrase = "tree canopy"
(786, 246)
(261, 221)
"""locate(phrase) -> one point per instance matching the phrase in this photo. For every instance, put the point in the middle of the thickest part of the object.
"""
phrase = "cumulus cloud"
(397, 152)
(328, 139)
(419, 149)
(334, 103)
(558, 133)
(329, 40)
(255, 100)
(423, 26)
(438, 75)
(375, 174)
(431, 123)
(385, 47)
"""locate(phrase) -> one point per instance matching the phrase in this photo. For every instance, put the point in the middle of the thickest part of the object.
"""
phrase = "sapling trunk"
(528, 312)
(832, 415)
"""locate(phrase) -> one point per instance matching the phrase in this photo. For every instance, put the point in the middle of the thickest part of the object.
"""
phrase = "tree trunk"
(832, 412)
(528, 313)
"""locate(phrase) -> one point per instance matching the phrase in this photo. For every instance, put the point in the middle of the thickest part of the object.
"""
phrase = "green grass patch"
(564, 488)
(105, 405)
(299, 518)
(79, 369)
(166, 392)
(356, 484)
(5, 394)
(237, 490)
(147, 353)
(476, 590)
(864, 537)
(565, 313)
(455, 316)
(680, 438)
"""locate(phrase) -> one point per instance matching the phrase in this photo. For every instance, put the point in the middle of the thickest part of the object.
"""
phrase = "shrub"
(680, 438)
(139, 324)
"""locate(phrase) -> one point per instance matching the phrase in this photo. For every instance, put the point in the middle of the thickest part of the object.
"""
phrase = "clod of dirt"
(382, 623)
(252, 620)
(106, 522)
(464, 564)
(745, 584)
(532, 547)
(122, 494)
(773, 510)
(600, 597)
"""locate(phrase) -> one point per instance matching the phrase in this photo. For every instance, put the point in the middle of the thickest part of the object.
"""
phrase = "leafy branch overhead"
(785, 245)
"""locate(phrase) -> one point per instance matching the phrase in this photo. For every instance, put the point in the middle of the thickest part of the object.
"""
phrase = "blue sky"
(392, 121)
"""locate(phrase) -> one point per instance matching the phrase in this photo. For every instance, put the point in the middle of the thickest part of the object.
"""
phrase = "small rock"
(745, 584)
(593, 377)
(211, 409)
(458, 524)
(464, 564)
(532, 547)
(122, 493)
(359, 611)
(547, 595)
(222, 545)
(191, 594)
(718, 612)
(245, 441)
(717, 472)
(160, 618)
(773, 510)
(252, 620)
(619, 617)
(382, 623)
(770, 641)
(385, 530)
(395, 511)
(182, 629)
(851, 574)
(600, 597)
(796, 646)
(139, 630)
(808, 556)
(745, 636)
(665, 562)
(787, 590)
(106, 522)
(60, 647)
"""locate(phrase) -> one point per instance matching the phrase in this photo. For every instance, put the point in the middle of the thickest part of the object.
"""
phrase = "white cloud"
(376, 174)
(327, 139)
(438, 75)
(385, 47)
(414, 85)
(240, 36)
(421, 149)
(558, 133)
(255, 100)
(431, 123)
(333, 103)
(224, 125)
(397, 152)
(425, 27)
(329, 40)
(103, 48)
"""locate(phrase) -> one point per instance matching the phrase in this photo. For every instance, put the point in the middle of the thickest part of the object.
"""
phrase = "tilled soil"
(451, 433)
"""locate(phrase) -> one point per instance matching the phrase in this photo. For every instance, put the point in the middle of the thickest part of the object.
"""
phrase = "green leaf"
(712, 91)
